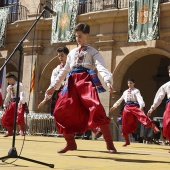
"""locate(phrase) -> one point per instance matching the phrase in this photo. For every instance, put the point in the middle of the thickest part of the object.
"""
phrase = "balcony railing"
(86, 6)
(96, 5)
(47, 14)
(17, 12)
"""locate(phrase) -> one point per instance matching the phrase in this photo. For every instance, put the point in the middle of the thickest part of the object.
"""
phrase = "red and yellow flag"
(32, 84)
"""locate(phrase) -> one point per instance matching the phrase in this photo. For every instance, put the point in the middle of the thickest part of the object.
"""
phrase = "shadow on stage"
(30, 140)
(6, 163)
(121, 159)
(154, 148)
(118, 153)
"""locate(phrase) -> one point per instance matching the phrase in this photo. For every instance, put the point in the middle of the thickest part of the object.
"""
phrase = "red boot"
(105, 129)
(9, 133)
(127, 142)
(155, 129)
(71, 144)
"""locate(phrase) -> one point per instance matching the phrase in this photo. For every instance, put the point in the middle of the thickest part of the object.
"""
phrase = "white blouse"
(89, 58)
(56, 72)
(11, 93)
(160, 95)
(131, 95)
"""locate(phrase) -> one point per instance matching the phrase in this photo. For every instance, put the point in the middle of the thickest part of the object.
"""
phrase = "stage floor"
(91, 155)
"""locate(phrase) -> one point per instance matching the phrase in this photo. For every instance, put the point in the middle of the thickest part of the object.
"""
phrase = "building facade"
(145, 61)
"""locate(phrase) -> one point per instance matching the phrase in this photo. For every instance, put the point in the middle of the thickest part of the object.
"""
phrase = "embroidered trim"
(92, 74)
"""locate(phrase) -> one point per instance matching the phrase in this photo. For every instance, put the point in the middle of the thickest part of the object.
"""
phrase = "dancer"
(78, 107)
(10, 104)
(62, 56)
(132, 111)
(163, 91)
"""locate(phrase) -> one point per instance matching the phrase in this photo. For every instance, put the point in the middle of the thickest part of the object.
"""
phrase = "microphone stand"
(13, 152)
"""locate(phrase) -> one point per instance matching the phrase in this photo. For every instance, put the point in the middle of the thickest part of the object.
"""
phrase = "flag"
(32, 84)
(143, 20)
(3, 83)
(64, 22)
(3, 21)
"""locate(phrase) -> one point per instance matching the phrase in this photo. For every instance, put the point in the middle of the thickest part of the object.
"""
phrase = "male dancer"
(62, 56)
(132, 111)
(160, 95)
(78, 107)
(10, 104)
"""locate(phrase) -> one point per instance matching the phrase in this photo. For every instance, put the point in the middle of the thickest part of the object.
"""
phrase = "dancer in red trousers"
(133, 111)
(163, 91)
(78, 107)
(10, 104)
(62, 53)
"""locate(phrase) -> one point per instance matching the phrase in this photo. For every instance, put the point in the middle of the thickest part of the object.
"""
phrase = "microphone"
(48, 9)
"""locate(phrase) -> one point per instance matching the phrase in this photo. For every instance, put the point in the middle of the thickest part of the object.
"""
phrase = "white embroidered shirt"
(87, 57)
(131, 95)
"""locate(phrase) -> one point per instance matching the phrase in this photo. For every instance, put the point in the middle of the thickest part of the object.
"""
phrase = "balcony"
(86, 6)
(17, 12)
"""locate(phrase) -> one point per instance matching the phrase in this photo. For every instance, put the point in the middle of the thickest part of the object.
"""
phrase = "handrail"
(17, 12)
(86, 6)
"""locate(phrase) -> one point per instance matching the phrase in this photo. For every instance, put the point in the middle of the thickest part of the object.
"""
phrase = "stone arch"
(47, 71)
(44, 81)
(48, 59)
(149, 69)
(11, 65)
(128, 60)
(148, 86)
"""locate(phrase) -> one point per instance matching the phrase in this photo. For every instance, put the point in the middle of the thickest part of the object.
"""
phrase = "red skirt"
(166, 122)
(8, 116)
(79, 108)
(131, 114)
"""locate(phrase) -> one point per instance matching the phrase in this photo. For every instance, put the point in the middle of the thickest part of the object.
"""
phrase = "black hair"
(63, 49)
(85, 28)
(10, 75)
(131, 79)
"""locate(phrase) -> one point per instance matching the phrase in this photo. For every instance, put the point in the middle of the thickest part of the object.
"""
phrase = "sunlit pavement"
(91, 155)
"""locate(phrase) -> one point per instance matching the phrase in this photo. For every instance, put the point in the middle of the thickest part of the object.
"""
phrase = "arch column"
(27, 70)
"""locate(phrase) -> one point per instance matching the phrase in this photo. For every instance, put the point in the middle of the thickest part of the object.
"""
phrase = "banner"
(143, 20)
(64, 22)
(32, 84)
(3, 21)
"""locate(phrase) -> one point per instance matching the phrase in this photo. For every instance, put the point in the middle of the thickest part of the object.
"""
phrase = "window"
(16, 11)
(13, 8)
(10, 2)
